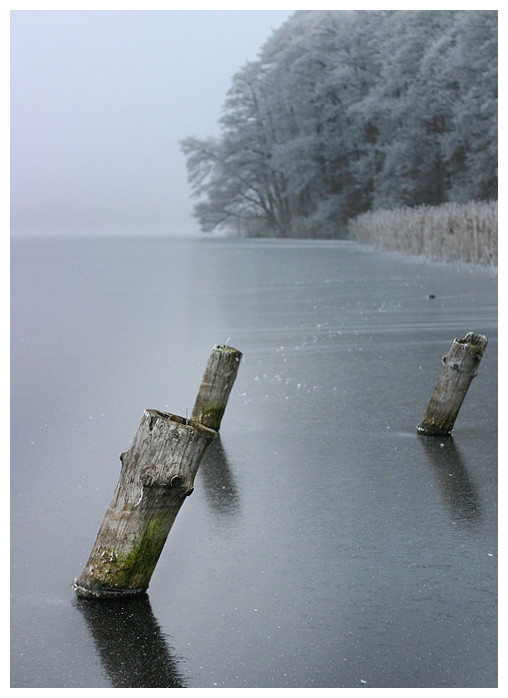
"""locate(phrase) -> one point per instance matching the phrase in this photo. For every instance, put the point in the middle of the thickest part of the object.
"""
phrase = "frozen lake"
(326, 543)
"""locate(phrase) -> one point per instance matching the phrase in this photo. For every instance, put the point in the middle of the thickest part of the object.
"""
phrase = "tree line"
(349, 111)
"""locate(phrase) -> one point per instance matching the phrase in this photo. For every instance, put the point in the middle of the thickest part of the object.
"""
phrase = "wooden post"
(460, 367)
(218, 379)
(157, 475)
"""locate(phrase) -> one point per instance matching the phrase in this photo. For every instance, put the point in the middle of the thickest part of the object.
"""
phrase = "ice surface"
(326, 543)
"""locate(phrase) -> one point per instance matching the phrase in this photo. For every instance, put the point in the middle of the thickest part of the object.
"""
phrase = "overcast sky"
(99, 101)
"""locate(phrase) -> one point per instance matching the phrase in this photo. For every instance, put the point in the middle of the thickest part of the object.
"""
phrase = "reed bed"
(449, 232)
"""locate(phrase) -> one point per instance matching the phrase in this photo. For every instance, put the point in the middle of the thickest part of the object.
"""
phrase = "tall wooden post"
(218, 379)
(460, 367)
(157, 475)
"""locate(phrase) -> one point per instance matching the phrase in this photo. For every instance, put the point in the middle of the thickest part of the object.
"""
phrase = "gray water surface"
(326, 543)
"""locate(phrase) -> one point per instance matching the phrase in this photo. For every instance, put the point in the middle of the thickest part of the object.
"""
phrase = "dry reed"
(449, 232)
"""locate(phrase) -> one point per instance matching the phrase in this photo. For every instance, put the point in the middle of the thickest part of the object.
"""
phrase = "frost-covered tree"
(236, 172)
(345, 111)
(470, 147)
(411, 115)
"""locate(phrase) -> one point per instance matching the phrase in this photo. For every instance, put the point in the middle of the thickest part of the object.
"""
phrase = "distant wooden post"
(460, 367)
(218, 379)
(157, 475)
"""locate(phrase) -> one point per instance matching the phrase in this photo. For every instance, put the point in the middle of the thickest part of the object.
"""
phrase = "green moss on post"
(218, 379)
(157, 475)
(460, 367)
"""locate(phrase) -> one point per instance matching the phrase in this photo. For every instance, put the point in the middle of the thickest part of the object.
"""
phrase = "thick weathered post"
(157, 475)
(460, 367)
(218, 379)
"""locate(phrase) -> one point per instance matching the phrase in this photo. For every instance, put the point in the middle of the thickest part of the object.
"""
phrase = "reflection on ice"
(218, 481)
(133, 650)
(457, 489)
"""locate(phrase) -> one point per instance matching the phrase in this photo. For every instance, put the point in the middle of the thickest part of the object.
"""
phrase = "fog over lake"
(100, 100)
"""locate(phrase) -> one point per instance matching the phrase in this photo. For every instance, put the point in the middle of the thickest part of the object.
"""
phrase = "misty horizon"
(99, 101)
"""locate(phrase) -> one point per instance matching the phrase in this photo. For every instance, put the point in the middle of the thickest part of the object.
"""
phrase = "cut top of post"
(477, 342)
(226, 349)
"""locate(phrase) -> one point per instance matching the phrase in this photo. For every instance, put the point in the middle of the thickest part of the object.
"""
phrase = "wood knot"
(176, 481)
